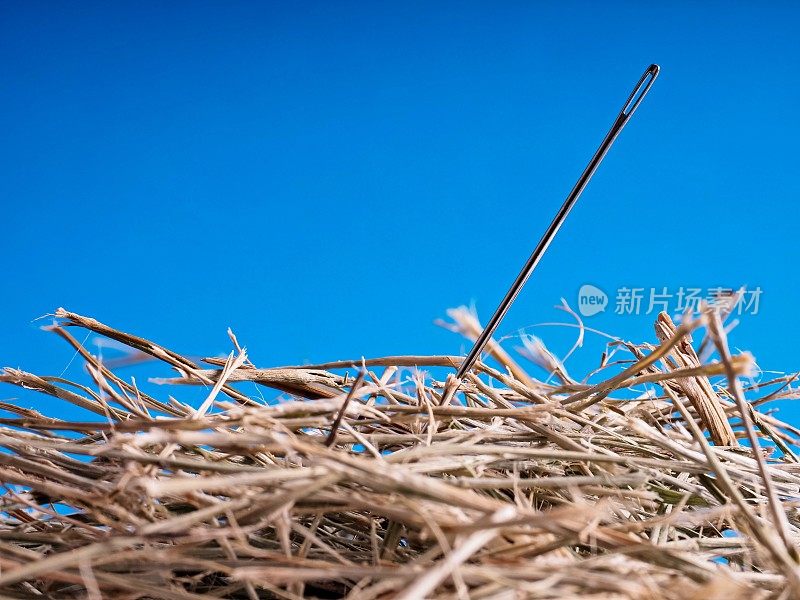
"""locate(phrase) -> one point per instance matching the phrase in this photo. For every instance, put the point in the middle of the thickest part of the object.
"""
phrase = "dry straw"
(359, 482)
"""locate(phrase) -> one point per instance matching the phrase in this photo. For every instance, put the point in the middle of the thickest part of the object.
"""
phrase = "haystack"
(658, 476)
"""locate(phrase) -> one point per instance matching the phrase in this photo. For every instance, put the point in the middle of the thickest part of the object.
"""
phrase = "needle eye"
(640, 91)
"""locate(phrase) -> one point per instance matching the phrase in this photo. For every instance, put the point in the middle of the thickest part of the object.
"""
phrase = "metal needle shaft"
(636, 97)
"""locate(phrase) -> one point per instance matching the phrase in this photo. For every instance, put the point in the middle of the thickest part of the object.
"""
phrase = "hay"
(367, 486)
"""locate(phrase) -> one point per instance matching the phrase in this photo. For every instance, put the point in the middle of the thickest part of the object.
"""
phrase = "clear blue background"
(328, 178)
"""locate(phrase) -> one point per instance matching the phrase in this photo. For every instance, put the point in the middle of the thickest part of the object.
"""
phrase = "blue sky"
(328, 178)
